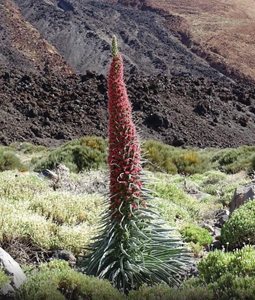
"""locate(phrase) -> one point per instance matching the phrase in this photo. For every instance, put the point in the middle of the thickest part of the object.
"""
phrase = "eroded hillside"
(221, 31)
(83, 30)
(23, 47)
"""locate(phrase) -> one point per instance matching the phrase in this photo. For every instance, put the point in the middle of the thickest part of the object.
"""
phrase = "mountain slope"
(82, 31)
(222, 31)
(21, 45)
(192, 105)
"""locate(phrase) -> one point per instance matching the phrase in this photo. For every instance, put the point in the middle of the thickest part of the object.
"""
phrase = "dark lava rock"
(155, 121)
(68, 107)
(81, 30)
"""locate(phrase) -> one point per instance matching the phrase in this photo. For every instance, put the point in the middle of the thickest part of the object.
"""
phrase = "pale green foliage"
(218, 263)
(174, 203)
(164, 292)
(10, 161)
(234, 160)
(27, 148)
(231, 286)
(4, 279)
(65, 208)
(219, 185)
(57, 281)
(196, 234)
(240, 228)
(31, 210)
(78, 155)
(230, 275)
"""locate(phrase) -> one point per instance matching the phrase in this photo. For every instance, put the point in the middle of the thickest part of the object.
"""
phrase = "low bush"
(240, 228)
(10, 161)
(56, 280)
(164, 292)
(214, 266)
(218, 263)
(230, 286)
(80, 155)
(190, 162)
(194, 233)
(234, 160)
(74, 209)
(175, 205)
(174, 160)
(31, 212)
(27, 148)
(159, 157)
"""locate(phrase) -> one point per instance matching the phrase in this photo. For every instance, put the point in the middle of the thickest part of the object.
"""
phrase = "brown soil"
(220, 31)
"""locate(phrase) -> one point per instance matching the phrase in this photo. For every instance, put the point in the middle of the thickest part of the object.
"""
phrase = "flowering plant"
(134, 246)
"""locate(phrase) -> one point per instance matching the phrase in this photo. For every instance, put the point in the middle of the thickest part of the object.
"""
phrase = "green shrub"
(159, 157)
(9, 161)
(4, 279)
(175, 204)
(32, 213)
(27, 148)
(234, 160)
(253, 164)
(230, 286)
(174, 160)
(214, 265)
(93, 142)
(243, 262)
(164, 292)
(237, 263)
(56, 280)
(74, 209)
(77, 156)
(196, 234)
(190, 162)
(240, 228)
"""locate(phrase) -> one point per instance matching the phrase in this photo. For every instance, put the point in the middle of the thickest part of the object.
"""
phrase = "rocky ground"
(181, 111)
(177, 97)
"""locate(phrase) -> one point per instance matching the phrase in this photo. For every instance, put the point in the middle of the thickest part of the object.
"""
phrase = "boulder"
(242, 195)
(12, 269)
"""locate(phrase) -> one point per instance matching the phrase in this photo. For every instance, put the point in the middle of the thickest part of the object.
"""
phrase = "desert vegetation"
(91, 220)
(37, 220)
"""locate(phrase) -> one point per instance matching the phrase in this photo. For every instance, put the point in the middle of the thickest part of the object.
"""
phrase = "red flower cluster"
(124, 148)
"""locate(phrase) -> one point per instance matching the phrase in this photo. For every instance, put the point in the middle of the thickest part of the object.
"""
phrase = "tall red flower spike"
(124, 148)
(134, 246)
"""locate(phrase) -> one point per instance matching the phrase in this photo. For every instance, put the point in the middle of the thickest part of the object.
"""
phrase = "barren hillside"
(82, 32)
(224, 28)
(177, 96)
(22, 46)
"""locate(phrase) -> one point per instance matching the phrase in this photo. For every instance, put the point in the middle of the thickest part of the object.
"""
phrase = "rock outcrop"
(13, 270)
(242, 195)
